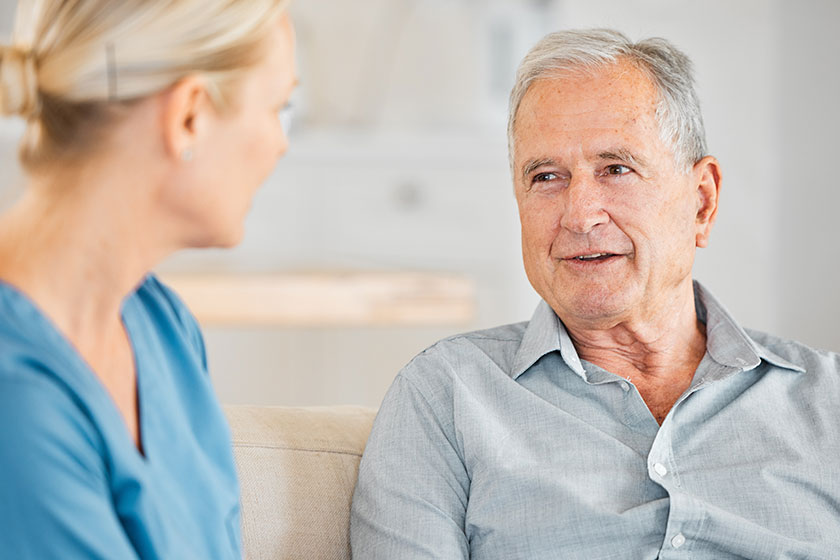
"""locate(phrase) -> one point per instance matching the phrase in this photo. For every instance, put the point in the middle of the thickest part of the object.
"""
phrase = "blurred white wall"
(807, 249)
(398, 161)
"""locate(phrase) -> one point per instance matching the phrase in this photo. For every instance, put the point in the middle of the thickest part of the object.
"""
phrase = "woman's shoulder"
(160, 301)
(30, 346)
(162, 310)
(45, 391)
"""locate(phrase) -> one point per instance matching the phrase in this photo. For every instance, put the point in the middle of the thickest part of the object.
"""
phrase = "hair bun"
(18, 83)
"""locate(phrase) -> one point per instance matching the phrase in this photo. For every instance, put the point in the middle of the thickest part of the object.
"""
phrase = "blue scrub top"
(72, 483)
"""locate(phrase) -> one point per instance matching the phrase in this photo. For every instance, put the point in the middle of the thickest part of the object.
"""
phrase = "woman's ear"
(186, 108)
(707, 177)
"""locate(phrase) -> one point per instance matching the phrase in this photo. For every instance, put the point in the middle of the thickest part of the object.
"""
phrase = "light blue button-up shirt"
(503, 444)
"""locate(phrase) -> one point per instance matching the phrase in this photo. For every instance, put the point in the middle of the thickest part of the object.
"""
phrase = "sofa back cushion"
(297, 469)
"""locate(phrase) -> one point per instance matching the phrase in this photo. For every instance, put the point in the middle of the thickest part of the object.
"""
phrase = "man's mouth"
(593, 257)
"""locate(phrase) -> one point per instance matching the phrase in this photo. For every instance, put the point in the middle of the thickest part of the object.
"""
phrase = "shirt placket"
(686, 516)
(663, 469)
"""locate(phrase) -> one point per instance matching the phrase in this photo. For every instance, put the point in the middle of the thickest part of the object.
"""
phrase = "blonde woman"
(151, 123)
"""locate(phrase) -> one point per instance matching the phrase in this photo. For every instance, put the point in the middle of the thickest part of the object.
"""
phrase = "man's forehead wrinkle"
(545, 103)
(621, 71)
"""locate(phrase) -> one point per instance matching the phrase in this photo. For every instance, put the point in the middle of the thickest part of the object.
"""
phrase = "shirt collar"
(545, 334)
(726, 342)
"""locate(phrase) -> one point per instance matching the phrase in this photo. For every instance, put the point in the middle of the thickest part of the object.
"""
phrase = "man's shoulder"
(493, 341)
(474, 351)
(511, 332)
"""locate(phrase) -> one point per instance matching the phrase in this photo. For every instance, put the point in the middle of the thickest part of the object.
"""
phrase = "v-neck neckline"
(90, 376)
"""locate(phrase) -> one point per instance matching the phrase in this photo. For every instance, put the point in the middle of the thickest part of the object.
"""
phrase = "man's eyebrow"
(622, 154)
(533, 164)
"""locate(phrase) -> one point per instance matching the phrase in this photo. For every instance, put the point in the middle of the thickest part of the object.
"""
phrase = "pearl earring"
(187, 154)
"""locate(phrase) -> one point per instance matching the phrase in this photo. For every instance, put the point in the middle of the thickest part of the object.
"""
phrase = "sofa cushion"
(297, 468)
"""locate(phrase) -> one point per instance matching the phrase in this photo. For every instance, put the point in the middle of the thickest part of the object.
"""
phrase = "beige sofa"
(297, 468)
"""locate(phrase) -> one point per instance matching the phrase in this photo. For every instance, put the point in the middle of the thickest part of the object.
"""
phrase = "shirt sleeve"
(411, 497)
(54, 496)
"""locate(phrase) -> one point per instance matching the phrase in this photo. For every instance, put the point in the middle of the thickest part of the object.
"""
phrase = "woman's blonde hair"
(74, 64)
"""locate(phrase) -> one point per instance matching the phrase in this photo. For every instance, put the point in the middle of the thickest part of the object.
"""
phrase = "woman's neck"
(77, 243)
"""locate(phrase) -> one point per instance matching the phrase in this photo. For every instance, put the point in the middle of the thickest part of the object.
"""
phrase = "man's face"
(609, 223)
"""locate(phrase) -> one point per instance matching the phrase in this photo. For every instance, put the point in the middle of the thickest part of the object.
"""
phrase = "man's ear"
(185, 107)
(706, 173)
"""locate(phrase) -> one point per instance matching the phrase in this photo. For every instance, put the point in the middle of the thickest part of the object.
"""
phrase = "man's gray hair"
(670, 70)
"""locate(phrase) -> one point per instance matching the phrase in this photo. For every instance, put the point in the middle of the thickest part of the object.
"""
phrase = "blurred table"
(327, 299)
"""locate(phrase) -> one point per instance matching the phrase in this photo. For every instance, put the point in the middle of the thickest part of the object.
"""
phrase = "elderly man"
(631, 417)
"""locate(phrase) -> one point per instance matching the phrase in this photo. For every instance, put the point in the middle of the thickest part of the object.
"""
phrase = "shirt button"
(660, 469)
(625, 386)
(678, 540)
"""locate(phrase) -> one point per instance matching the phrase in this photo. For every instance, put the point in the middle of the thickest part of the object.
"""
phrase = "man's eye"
(617, 169)
(543, 177)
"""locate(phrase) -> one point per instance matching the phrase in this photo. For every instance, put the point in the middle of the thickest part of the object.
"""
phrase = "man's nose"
(583, 207)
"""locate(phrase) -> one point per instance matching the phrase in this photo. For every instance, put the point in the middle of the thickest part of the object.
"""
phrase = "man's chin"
(598, 307)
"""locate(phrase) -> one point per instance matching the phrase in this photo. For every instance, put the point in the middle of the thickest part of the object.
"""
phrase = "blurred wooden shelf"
(326, 299)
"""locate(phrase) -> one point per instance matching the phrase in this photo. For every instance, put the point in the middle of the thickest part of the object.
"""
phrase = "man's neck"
(659, 355)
